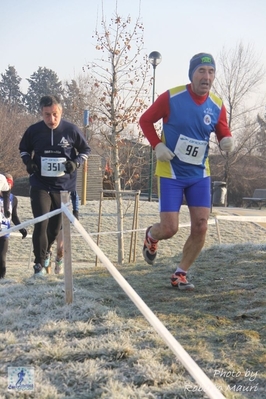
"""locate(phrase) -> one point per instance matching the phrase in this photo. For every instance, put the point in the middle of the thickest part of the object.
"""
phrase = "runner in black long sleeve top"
(52, 150)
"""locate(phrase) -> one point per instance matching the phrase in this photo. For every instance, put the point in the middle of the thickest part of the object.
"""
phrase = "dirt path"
(241, 212)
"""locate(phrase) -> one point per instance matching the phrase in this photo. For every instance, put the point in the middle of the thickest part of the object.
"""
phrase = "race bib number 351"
(190, 150)
(52, 167)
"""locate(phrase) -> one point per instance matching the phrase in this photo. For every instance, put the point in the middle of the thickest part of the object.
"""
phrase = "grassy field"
(101, 346)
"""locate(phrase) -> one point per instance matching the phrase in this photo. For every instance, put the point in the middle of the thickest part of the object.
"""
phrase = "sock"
(180, 271)
(150, 236)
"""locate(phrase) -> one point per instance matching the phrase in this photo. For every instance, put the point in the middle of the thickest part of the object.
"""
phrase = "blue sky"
(57, 34)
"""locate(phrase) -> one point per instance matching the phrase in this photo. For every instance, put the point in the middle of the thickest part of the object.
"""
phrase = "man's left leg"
(198, 199)
(195, 242)
(59, 253)
(192, 247)
(53, 228)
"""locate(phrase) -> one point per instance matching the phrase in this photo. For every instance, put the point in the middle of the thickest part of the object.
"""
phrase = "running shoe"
(58, 266)
(47, 262)
(39, 271)
(179, 281)
(76, 214)
(150, 248)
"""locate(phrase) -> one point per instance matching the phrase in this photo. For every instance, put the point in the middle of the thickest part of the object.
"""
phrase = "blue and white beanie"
(198, 60)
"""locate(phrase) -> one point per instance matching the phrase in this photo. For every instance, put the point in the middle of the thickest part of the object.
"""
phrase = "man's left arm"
(82, 148)
(15, 218)
(223, 132)
(82, 152)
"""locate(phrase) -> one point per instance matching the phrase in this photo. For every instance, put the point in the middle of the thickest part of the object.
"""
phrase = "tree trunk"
(120, 213)
(226, 178)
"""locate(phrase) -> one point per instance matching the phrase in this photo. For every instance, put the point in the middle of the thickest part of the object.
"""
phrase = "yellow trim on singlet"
(218, 101)
(177, 90)
(207, 167)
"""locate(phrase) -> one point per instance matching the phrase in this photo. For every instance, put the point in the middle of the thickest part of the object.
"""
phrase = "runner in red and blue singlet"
(190, 114)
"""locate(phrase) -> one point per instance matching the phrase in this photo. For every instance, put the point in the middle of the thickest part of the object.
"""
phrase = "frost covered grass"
(101, 346)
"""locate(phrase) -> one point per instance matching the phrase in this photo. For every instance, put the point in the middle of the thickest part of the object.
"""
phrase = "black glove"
(7, 214)
(70, 166)
(23, 232)
(31, 167)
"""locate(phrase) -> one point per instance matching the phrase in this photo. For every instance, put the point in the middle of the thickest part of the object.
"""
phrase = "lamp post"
(155, 58)
(85, 165)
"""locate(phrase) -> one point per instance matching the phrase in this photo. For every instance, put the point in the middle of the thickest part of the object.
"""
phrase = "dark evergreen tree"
(41, 83)
(10, 93)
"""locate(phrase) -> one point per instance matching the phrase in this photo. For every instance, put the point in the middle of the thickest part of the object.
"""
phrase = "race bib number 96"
(190, 150)
(52, 167)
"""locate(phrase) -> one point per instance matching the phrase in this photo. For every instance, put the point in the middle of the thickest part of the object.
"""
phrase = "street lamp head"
(155, 58)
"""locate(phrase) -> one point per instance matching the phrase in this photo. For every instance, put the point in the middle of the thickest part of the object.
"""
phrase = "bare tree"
(77, 99)
(13, 123)
(239, 76)
(120, 81)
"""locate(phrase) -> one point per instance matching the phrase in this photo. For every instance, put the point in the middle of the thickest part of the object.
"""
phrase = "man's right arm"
(24, 148)
(158, 110)
(25, 153)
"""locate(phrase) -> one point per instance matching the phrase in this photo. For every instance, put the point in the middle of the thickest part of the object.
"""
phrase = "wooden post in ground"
(67, 251)
(133, 240)
(218, 230)
(134, 222)
(84, 183)
(85, 165)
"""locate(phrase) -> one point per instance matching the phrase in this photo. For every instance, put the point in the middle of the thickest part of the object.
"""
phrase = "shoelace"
(152, 245)
(182, 278)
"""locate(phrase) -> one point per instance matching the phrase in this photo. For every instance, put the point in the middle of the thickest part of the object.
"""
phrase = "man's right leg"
(75, 203)
(170, 200)
(55, 222)
(40, 205)
(59, 253)
(166, 228)
(59, 244)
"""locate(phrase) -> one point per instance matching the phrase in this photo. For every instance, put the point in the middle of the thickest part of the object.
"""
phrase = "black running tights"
(45, 232)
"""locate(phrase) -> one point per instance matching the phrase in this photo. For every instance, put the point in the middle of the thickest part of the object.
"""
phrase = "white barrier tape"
(210, 222)
(204, 382)
(30, 222)
(19, 235)
(242, 218)
(20, 226)
(27, 223)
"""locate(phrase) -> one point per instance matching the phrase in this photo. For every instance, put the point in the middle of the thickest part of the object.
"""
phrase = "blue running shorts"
(197, 192)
